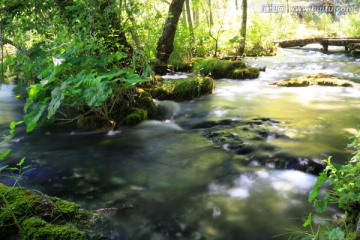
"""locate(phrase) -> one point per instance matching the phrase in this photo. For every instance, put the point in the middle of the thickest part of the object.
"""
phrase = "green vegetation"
(344, 192)
(224, 69)
(44, 217)
(321, 79)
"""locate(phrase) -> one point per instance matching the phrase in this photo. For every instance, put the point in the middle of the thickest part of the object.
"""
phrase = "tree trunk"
(211, 19)
(196, 17)
(191, 28)
(165, 45)
(183, 19)
(188, 14)
(236, 5)
(112, 31)
(243, 27)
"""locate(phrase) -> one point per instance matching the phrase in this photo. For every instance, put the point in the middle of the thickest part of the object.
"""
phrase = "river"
(236, 164)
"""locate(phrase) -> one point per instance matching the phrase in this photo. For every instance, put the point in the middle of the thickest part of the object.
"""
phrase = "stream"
(237, 164)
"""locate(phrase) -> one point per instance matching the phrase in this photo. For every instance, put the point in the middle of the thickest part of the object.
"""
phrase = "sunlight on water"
(8, 105)
(284, 182)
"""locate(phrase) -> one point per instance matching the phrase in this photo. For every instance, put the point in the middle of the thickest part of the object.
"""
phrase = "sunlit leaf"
(33, 90)
(336, 234)
(32, 118)
(57, 96)
(316, 189)
(13, 169)
(322, 204)
(3, 168)
(21, 161)
(308, 220)
(5, 154)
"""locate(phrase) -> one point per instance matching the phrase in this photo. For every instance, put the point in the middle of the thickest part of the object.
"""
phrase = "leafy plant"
(15, 172)
(345, 182)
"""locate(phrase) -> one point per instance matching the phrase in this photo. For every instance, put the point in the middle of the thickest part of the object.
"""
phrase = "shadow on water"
(218, 167)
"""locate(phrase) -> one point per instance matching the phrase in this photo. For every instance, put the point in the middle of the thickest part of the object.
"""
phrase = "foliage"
(44, 217)
(75, 68)
(324, 25)
(17, 171)
(260, 36)
(345, 182)
(351, 24)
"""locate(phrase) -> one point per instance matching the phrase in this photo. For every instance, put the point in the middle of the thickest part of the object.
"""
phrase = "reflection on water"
(184, 185)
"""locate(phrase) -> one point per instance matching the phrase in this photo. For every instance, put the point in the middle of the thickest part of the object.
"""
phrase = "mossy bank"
(182, 89)
(30, 216)
(224, 69)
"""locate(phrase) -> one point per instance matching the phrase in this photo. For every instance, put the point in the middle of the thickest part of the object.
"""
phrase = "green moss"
(145, 101)
(335, 83)
(137, 116)
(293, 83)
(36, 229)
(224, 69)
(183, 89)
(355, 52)
(321, 79)
(44, 217)
(245, 73)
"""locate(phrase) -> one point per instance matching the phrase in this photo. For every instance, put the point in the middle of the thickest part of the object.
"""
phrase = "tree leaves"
(308, 220)
(317, 187)
(336, 234)
(4, 154)
(32, 118)
(57, 96)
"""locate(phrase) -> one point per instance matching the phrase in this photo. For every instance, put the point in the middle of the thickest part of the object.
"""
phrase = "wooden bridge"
(349, 43)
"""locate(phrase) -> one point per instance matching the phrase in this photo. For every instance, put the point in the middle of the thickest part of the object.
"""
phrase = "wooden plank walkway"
(348, 43)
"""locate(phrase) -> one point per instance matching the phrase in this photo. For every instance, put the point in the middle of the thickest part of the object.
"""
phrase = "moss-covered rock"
(44, 217)
(321, 79)
(242, 73)
(183, 89)
(355, 52)
(136, 117)
(224, 69)
(36, 228)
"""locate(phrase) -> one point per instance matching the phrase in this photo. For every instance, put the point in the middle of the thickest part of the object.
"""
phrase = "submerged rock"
(251, 142)
(26, 215)
(224, 69)
(321, 79)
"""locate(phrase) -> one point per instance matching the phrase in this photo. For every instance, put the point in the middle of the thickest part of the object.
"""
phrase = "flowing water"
(219, 167)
